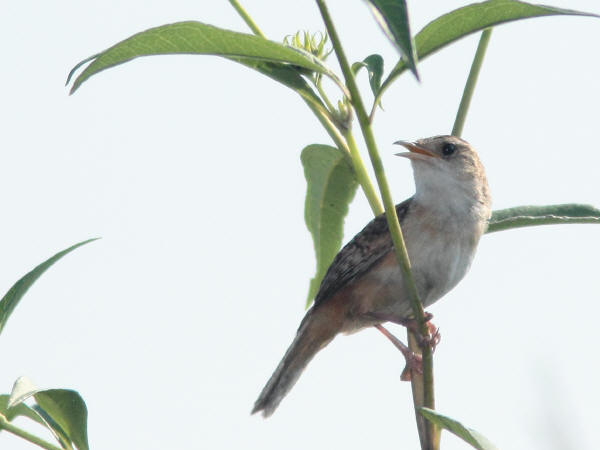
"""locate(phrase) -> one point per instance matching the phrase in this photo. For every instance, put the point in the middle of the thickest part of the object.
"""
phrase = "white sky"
(189, 169)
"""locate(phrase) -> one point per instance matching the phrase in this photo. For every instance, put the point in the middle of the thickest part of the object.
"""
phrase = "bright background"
(188, 167)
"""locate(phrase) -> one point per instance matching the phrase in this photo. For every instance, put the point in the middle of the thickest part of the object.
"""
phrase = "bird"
(364, 286)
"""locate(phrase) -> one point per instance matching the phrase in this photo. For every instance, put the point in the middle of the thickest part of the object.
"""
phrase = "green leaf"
(470, 19)
(20, 410)
(16, 292)
(331, 185)
(528, 216)
(67, 410)
(468, 435)
(392, 16)
(374, 66)
(199, 38)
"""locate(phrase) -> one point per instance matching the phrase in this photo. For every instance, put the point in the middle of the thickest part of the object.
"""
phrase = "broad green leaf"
(331, 185)
(374, 66)
(20, 410)
(468, 435)
(16, 292)
(198, 38)
(470, 19)
(528, 216)
(67, 410)
(392, 16)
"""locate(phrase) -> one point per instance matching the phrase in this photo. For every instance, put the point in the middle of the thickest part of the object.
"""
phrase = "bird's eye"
(448, 149)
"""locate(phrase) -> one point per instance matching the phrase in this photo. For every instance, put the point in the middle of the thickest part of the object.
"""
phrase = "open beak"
(414, 148)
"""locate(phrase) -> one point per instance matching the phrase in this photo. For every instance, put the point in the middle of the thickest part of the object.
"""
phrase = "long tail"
(314, 334)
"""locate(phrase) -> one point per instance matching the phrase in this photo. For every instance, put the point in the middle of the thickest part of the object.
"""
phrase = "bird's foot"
(433, 337)
(414, 362)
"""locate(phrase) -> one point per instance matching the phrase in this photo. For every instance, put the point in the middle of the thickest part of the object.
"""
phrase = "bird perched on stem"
(441, 224)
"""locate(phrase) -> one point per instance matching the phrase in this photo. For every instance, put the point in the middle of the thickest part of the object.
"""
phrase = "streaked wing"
(360, 254)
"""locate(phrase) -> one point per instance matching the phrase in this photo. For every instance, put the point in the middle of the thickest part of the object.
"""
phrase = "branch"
(465, 101)
(244, 15)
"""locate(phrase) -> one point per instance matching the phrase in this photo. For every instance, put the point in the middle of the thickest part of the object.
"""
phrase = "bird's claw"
(432, 339)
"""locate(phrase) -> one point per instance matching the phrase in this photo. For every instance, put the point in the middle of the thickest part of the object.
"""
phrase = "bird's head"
(447, 168)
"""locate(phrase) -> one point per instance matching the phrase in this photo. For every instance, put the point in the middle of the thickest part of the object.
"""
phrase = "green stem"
(392, 218)
(423, 392)
(362, 175)
(465, 101)
(6, 425)
(322, 93)
(347, 144)
(244, 15)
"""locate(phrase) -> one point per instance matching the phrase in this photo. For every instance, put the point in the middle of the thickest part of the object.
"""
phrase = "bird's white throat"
(449, 194)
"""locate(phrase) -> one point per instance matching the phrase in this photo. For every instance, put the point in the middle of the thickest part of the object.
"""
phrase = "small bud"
(343, 114)
(314, 44)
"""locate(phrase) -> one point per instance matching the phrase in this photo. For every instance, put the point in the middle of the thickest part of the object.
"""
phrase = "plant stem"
(347, 144)
(6, 425)
(429, 435)
(465, 101)
(322, 93)
(244, 15)
(362, 175)
(392, 218)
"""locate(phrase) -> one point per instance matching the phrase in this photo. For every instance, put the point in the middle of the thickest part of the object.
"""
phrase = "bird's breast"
(441, 248)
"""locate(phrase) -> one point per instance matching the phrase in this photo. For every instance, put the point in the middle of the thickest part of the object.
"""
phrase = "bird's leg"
(413, 361)
(432, 339)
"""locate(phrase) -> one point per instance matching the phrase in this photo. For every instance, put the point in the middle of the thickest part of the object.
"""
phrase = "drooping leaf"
(374, 66)
(331, 185)
(468, 435)
(67, 412)
(528, 216)
(470, 19)
(392, 16)
(199, 38)
(16, 292)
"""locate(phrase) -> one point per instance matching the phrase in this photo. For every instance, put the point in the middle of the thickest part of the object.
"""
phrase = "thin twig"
(244, 15)
(361, 174)
(465, 101)
(6, 425)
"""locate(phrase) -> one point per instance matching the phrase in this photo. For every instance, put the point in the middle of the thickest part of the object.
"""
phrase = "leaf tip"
(412, 65)
(415, 72)
(78, 81)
